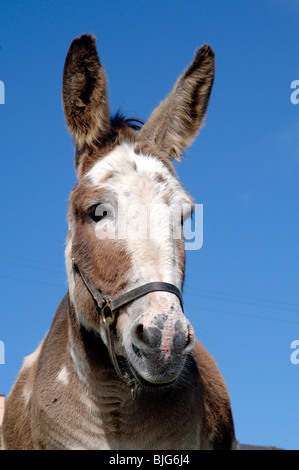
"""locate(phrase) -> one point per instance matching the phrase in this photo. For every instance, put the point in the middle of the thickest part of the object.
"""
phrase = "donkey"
(120, 367)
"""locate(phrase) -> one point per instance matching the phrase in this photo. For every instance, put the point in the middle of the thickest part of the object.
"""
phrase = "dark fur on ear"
(84, 94)
(177, 120)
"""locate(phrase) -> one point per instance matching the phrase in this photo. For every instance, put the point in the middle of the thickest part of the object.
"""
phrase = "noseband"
(109, 307)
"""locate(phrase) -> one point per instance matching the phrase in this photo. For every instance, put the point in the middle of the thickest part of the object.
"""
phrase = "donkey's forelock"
(121, 129)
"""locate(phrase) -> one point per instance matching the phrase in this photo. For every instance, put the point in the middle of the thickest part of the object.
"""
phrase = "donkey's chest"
(123, 426)
(143, 424)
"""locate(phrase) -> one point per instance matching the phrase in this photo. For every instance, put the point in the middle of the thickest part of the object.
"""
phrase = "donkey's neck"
(91, 361)
(123, 421)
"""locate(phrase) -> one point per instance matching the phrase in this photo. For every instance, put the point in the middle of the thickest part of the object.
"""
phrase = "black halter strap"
(109, 306)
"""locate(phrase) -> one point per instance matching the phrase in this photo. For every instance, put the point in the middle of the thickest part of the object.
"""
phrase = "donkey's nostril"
(147, 336)
(141, 334)
(139, 329)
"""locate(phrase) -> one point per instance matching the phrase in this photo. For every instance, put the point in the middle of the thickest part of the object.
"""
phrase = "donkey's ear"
(177, 120)
(84, 94)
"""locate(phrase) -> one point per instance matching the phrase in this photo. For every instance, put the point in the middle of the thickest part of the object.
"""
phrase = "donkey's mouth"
(145, 383)
(154, 374)
(132, 372)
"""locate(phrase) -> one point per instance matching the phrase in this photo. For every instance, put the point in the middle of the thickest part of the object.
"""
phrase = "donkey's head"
(126, 212)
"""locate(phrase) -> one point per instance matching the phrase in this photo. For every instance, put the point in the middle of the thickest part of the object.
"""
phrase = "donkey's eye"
(97, 212)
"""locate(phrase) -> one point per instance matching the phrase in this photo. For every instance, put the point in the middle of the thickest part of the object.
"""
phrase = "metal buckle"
(108, 315)
(134, 388)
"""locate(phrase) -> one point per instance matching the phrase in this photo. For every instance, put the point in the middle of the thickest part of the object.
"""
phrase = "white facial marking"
(142, 192)
(147, 195)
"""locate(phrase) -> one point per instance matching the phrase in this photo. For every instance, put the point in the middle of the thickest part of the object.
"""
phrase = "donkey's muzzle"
(160, 351)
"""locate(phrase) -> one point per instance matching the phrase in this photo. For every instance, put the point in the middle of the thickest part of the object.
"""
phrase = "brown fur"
(176, 121)
(68, 394)
(89, 155)
(199, 396)
(104, 261)
(84, 94)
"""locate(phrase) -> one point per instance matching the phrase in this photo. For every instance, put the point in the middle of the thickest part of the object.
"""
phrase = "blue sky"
(241, 291)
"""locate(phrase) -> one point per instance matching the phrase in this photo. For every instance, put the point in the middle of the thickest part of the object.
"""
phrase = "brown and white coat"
(68, 394)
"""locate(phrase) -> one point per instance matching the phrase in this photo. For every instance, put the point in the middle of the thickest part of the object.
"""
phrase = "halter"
(109, 307)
